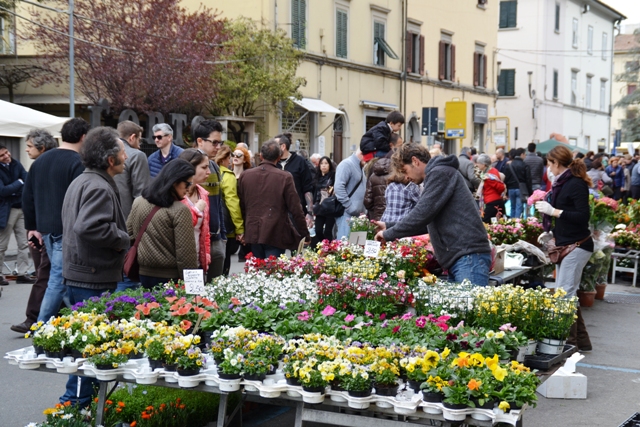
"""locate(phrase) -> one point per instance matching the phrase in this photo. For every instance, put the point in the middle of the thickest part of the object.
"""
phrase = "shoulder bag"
(331, 206)
(557, 253)
(131, 267)
(524, 191)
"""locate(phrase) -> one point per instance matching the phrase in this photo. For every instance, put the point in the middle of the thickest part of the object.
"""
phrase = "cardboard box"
(498, 266)
(565, 383)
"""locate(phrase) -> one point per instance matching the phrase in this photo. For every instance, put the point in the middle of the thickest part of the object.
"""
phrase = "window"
(555, 84)
(299, 23)
(479, 67)
(605, 46)
(587, 96)
(557, 23)
(415, 52)
(631, 89)
(380, 46)
(508, 14)
(574, 87)
(342, 21)
(603, 94)
(587, 142)
(507, 83)
(447, 58)
(7, 39)
(590, 40)
(574, 37)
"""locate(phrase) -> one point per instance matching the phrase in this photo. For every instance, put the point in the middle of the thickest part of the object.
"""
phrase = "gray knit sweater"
(447, 211)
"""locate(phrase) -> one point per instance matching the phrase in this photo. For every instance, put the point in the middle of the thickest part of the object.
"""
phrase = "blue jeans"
(474, 267)
(516, 203)
(265, 251)
(126, 284)
(344, 228)
(80, 396)
(150, 282)
(56, 291)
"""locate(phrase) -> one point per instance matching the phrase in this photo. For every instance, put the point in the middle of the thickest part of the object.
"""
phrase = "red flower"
(396, 329)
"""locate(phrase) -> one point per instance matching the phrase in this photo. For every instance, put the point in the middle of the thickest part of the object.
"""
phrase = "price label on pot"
(194, 282)
(371, 248)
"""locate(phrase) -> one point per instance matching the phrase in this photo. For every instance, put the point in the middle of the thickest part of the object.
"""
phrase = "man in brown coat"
(269, 203)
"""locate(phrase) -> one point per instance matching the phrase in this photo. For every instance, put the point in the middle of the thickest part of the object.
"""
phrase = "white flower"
(67, 416)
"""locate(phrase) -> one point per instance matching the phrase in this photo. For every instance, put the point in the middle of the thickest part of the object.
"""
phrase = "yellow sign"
(455, 119)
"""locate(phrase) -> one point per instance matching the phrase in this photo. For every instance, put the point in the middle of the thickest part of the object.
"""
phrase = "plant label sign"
(371, 248)
(357, 238)
(194, 281)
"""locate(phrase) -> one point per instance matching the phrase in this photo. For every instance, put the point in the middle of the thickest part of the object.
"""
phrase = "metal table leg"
(102, 399)
(222, 409)
(298, 420)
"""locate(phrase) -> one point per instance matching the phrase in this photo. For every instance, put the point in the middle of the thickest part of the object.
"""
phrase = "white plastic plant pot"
(550, 346)
(229, 385)
(338, 396)
(404, 410)
(531, 348)
(384, 404)
(293, 393)
(482, 415)
(105, 375)
(188, 382)
(454, 414)
(432, 408)
(359, 402)
(69, 366)
(309, 397)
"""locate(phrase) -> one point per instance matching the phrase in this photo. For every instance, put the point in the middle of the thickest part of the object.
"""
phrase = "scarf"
(552, 196)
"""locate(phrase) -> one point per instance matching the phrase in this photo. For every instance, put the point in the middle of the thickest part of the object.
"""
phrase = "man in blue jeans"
(447, 211)
(42, 197)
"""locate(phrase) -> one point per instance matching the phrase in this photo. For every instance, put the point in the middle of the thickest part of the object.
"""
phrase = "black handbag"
(331, 206)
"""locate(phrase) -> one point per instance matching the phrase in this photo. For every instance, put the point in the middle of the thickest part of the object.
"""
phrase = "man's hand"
(380, 226)
(38, 236)
(240, 238)
(379, 237)
(309, 219)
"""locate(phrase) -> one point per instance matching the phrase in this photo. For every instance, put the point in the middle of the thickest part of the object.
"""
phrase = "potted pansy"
(107, 356)
(190, 361)
(51, 339)
(518, 388)
(358, 381)
(385, 377)
(229, 370)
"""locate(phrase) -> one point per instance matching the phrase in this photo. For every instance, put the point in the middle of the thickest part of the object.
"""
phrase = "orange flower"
(118, 410)
(171, 299)
(182, 406)
(121, 404)
(185, 324)
(474, 384)
(145, 416)
(109, 402)
(149, 408)
(235, 301)
(132, 424)
(67, 403)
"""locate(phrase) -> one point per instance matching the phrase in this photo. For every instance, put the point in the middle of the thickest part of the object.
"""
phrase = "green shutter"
(298, 23)
(341, 34)
(507, 83)
(508, 14)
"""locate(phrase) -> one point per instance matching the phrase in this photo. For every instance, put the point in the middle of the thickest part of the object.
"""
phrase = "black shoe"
(3, 282)
(25, 280)
(586, 348)
(22, 328)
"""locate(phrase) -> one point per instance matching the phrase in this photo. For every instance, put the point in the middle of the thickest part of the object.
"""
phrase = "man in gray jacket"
(349, 176)
(136, 168)
(536, 166)
(95, 238)
(446, 211)
(467, 170)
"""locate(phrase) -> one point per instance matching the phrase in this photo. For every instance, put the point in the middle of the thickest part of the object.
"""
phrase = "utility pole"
(72, 107)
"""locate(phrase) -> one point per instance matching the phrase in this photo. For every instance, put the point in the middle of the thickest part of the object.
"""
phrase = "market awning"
(546, 146)
(316, 106)
(385, 46)
(378, 105)
(17, 120)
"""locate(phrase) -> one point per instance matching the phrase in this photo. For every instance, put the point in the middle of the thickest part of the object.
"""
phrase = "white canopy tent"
(16, 121)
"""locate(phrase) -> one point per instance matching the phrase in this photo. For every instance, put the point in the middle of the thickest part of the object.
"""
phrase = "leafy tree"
(631, 102)
(11, 75)
(147, 55)
(260, 75)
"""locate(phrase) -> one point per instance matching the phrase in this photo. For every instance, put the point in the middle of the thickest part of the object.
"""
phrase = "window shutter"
(504, 9)
(442, 65)
(341, 34)
(421, 55)
(409, 52)
(502, 82)
(453, 62)
(513, 14)
(484, 74)
(511, 83)
(295, 24)
(476, 69)
(302, 26)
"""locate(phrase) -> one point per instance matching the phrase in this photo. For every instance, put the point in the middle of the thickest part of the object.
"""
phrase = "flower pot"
(55, 354)
(432, 397)
(550, 346)
(359, 393)
(313, 395)
(414, 385)
(105, 367)
(319, 389)
(391, 391)
(76, 354)
(155, 364)
(489, 404)
(586, 298)
(293, 381)
(454, 414)
(254, 377)
(531, 347)
(224, 376)
(188, 372)
(170, 368)
(38, 349)
(230, 385)
(136, 356)
(600, 290)
(454, 405)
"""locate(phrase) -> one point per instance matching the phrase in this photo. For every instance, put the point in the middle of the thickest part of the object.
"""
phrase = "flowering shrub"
(509, 231)
(362, 223)
(603, 210)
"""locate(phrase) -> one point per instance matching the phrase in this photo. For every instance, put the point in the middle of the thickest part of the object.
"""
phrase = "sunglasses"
(237, 156)
(213, 141)
(159, 136)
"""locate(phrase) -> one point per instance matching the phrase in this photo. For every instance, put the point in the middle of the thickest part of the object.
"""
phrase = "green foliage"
(631, 102)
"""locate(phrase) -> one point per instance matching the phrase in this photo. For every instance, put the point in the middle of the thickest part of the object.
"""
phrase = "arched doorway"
(338, 132)
(413, 131)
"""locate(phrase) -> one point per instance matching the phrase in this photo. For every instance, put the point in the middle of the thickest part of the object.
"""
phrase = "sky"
(629, 8)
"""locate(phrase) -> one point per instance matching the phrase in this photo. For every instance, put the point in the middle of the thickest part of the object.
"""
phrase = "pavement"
(612, 369)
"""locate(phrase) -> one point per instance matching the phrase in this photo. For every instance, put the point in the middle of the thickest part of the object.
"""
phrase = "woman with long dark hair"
(566, 213)
(168, 246)
(325, 179)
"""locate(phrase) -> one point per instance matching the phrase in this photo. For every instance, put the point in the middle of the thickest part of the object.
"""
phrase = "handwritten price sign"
(371, 248)
(194, 281)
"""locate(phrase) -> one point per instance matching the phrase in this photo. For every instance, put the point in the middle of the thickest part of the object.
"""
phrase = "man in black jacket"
(297, 167)
(517, 172)
(375, 142)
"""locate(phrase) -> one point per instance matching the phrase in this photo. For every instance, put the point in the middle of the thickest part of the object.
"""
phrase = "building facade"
(555, 59)
(626, 69)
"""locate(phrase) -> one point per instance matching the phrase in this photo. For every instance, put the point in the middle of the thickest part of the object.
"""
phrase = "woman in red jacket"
(490, 190)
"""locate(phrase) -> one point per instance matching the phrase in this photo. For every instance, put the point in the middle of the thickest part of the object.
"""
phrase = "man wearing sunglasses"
(208, 137)
(163, 137)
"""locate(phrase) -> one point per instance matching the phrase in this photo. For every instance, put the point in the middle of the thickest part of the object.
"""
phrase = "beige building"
(364, 59)
(624, 61)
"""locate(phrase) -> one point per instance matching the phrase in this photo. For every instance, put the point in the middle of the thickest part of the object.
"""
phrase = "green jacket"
(232, 214)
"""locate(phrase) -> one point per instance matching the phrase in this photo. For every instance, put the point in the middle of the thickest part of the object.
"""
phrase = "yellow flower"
(490, 334)
(445, 353)
(500, 335)
(492, 362)
(504, 406)
(499, 373)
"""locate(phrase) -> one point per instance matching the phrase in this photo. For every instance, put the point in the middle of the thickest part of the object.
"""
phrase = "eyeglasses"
(187, 184)
(237, 156)
(213, 142)
(159, 136)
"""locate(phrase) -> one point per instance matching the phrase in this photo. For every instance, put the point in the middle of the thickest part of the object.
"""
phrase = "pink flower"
(421, 322)
(328, 311)
(383, 316)
(396, 329)
(408, 315)
(368, 314)
(349, 318)
(508, 328)
(304, 316)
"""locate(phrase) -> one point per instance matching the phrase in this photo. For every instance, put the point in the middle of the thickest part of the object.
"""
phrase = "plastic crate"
(633, 421)
(544, 362)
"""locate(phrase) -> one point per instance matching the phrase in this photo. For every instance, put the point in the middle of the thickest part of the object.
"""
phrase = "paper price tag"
(194, 281)
(371, 248)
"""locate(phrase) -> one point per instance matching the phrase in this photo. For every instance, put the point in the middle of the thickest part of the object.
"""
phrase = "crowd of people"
(86, 201)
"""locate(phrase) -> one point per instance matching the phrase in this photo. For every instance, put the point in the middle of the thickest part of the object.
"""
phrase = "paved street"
(613, 370)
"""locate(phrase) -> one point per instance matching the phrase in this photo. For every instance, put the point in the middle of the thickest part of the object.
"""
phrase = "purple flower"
(301, 301)
(237, 309)
(282, 307)
(78, 305)
(169, 293)
(258, 309)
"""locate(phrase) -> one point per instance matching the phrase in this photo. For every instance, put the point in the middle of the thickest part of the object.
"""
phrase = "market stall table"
(630, 255)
